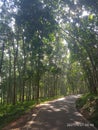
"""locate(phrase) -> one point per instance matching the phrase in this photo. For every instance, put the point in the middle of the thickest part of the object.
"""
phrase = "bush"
(88, 103)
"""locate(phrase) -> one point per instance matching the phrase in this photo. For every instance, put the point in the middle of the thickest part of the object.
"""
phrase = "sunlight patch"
(61, 99)
(34, 114)
(56, 109)
(77, 114)
(30, 122)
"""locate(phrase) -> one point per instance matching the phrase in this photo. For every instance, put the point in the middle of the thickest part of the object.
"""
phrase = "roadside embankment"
(87, 105)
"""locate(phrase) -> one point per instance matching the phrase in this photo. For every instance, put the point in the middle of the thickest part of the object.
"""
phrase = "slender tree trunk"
(2, 56)
(14, 85)
(24, 69)
(15, 49)
(9, 91)
(38, 86)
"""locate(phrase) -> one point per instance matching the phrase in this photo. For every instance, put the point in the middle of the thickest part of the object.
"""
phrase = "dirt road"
(59, 114)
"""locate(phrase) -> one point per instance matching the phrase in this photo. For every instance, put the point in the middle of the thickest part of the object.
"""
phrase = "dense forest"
(47, 48)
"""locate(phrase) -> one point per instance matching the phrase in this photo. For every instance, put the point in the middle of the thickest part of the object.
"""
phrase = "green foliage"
(91, 17)
(34, 60)
(29, 58)
(12, 112)
(82, 39)
(75, 77)
(88, 104)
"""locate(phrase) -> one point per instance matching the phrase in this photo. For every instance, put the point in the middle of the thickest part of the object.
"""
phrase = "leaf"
(91, 17)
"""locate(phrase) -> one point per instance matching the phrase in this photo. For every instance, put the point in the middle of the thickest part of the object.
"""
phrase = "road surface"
(59, 114)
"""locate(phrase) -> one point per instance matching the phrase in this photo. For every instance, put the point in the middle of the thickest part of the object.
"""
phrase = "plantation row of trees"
(47, 48)
(82, 36)
(32, 56)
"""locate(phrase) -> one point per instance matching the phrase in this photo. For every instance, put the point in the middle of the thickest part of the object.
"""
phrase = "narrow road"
(59, 114)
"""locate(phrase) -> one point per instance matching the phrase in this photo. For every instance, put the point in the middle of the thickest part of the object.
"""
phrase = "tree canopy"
(47, 48)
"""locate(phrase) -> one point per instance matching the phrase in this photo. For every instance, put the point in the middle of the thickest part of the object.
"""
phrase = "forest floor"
(60, 114)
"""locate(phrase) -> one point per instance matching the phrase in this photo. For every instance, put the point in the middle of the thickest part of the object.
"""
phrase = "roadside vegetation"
(48, 48)
(10, 112)
(88, 106)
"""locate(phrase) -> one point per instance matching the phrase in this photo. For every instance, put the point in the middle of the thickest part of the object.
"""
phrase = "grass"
(88, 106)
(10, 112)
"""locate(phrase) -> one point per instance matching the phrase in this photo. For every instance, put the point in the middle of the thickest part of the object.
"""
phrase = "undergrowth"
(11, 112)
(88, 106)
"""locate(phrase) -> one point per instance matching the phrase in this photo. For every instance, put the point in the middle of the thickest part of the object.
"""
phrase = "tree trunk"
(2, 55)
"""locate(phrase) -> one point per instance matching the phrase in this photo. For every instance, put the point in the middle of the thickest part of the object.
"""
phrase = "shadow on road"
(59, 114)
